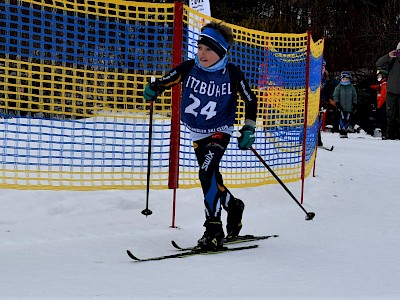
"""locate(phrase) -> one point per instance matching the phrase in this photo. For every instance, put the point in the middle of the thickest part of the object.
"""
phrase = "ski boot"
(213, 237)
(343, 134)
(234, 219)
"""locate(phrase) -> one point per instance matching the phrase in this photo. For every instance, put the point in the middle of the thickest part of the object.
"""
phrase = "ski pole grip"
(152, 79)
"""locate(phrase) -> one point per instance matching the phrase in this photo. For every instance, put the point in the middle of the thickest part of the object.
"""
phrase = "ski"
(326, 148)
(236, 240)
(188, 253)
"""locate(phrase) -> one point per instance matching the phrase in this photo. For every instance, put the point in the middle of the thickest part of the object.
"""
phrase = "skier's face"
(207, 57)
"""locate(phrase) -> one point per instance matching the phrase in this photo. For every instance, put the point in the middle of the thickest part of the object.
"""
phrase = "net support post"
(173, 176)
(304, 146)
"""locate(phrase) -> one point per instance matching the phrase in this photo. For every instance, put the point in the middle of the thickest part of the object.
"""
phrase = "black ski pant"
(393, 116)
(209, 152)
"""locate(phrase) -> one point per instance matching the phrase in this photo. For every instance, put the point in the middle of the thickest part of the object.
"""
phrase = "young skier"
(210, 85)
(345, 97)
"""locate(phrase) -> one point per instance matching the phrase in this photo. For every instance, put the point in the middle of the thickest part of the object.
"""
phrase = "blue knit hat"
(215, 41)
(345, 74)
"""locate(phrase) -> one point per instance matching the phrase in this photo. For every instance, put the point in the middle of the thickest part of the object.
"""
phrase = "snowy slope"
(71, 245)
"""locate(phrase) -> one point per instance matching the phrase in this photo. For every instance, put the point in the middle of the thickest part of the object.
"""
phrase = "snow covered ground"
(71, 245)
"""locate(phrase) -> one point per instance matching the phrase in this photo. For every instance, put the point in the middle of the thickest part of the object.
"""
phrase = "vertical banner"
(202, 6)
(196, 22)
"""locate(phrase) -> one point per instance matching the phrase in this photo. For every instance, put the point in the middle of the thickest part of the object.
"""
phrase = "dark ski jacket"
(393, 67)
(209, 99)
(345, 97)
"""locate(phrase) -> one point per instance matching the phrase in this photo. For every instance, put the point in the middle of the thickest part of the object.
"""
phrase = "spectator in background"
(345, 97)
(327, 105)
(381, 99)
(391, 62)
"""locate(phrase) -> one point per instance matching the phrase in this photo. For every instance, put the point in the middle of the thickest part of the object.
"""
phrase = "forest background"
(356, 32)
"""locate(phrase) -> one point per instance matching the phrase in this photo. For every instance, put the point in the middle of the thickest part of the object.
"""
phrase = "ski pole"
(147, 211)
(309, 215)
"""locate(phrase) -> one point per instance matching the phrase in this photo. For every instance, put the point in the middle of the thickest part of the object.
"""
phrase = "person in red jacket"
(381, 98)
